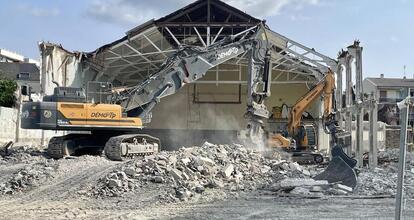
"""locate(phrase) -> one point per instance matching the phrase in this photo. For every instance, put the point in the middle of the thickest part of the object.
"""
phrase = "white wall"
(324, 142)
(8, 117)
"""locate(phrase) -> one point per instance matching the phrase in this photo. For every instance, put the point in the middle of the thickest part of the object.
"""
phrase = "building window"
(23, 76)
(383, 94)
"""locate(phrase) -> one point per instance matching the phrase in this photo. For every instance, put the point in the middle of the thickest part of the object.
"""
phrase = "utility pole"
(404, 107)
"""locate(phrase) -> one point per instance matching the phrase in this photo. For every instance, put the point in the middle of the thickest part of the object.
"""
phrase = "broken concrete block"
(206, 160)
(139, 170)
(185, 176)
(113, 183)
(122, 175)
(228, 170)
(113, 176)
(300, 191)
(130, 171)
(343, 187)
(162, 157)
(275, 187)
(207, 145)
(158, 179)
(185, 161)
(176, 174)
(172, 160)
(285, 166)
(295, 166)
(199, 189)
(216, 183)
(182, 193)
(338, 191)
(316, 189)
(189, 173)
(306, 172)
(162, 163)
(293, 182)
(265, 169)
(223, 150)
(200, 168)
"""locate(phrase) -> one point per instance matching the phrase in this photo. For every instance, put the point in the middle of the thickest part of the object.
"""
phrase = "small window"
(383, 94)
(23, 76)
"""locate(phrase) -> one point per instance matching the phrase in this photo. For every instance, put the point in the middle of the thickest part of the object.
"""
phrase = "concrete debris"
(209, 172)
(228, 170)
(292, 183)
(392, 155)
(191, 171)
(343, 187)
(27, 178)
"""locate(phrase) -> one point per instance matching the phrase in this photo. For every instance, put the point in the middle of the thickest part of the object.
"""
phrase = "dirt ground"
(63, 197)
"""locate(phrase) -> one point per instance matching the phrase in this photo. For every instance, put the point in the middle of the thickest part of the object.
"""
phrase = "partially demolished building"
(213, 107)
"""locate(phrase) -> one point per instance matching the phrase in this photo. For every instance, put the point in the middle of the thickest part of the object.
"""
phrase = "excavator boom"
(324, 87)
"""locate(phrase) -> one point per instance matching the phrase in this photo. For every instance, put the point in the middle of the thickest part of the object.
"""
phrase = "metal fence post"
(404, 106)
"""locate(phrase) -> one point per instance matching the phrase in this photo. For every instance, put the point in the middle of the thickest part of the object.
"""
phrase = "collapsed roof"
(143, 49)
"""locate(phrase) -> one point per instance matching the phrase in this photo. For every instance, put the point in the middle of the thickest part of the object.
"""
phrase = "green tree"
(7, 89)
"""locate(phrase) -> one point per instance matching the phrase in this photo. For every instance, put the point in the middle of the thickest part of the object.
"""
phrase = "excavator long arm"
(191, 63)
(324, 87)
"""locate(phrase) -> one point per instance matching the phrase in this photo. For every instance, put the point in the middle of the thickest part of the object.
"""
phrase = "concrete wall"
(381, 138)
(393, 136)
(180, 112)
(8, 117)
(63, 67)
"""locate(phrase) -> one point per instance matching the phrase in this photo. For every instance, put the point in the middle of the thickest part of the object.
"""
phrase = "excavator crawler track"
(55, 148)
(58, 147)
(126, 146)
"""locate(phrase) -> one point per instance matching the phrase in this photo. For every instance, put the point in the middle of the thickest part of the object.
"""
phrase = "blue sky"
(384, 27)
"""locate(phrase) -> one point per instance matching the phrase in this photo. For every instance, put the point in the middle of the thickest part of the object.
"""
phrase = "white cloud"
(131, 11)
(39, 12)
(138, 11)
(394, 39)
(265, 8)
(299, 18)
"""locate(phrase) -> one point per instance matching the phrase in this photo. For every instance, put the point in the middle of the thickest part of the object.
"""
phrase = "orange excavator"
(300, 139)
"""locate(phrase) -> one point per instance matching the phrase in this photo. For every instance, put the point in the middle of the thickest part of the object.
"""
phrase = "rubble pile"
(392, 155)
(18, 153)
(383, 180)
(28, 177)
(189, 172)
(380, 181)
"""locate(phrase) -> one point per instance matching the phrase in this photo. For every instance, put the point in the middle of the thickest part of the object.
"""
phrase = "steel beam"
(199, 37)
(172, 35)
